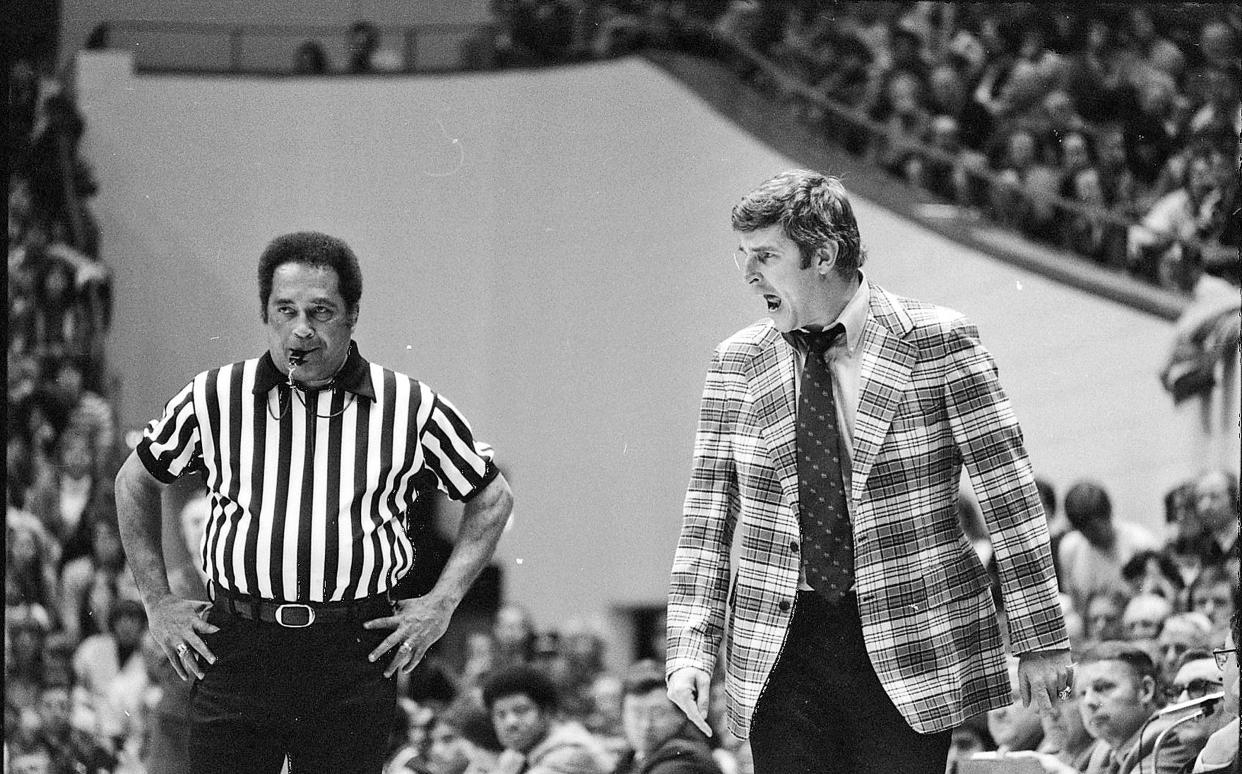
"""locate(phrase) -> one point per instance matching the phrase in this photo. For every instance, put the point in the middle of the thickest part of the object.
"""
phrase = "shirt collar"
(354, 376)
(853, 317)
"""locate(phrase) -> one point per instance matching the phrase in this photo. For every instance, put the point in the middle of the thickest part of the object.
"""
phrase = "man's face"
(1114, 702)
(447, 753)
(54, 709)
(307, 315)
(1103, 618)
(794, 297)
(1230, 676)
(1215, 601)
(520, 723)
(1144, 616)
(1197, 678)
(649, 720)
(1174, 641)
(1212, 500)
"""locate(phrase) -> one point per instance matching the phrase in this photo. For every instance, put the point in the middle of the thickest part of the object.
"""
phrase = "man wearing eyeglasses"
(1197, 677)
(1220, 754)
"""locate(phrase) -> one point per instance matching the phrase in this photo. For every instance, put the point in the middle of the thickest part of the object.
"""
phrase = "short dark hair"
(1130, 654)
(521, 679)
(311, 248)
(643, 677)
(472, 722)
(1086, 500)
(812, 209)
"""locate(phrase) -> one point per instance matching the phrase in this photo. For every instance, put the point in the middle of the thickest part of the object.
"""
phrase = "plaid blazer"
(929, 401)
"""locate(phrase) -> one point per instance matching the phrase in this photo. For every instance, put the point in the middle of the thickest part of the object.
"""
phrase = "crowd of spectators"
(1129, 110)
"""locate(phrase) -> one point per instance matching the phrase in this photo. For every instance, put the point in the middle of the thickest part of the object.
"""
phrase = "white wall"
(552, 251)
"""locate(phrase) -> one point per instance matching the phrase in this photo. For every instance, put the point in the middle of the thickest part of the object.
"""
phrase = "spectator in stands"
(1103, 614)
(363, 44)
(1065, 737)
(1212, 594)
(604, 720)
(1155, 573)
(310, 59)
(70, 746)
(1118, 182)
(1187, 213)
(61, 325)
(463, 740)
(25, 637)
(1089, 235)
(905, 60)
(69, 496)
(83, 610)
(1144, 617)
(1015, 727)
(950, 97)
(581, 660)
(1216, 505)
(29, 568)
(662, 740)
(104, 659)
(514, 632)
(906, 124)
(1116, 683)
(1092, 555)
(1182, 633)
(1197, 677)
(1020, 173)
(845, 81)
(88, 413)
(523, 702)
(1220, 754)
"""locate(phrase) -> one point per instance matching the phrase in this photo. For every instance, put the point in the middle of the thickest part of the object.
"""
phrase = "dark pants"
(824, 709)
(309, 693)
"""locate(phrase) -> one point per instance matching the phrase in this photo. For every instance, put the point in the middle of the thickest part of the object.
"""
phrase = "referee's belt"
(299, 615)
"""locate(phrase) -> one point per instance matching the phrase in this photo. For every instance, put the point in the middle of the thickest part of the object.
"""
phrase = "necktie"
(827, 539)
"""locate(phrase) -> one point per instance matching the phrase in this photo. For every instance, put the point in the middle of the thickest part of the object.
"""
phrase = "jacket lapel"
(771, 378)
(886, 362)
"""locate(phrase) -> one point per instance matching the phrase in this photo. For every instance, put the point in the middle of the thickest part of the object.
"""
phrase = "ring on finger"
(1065, 693)
(406, 646)
(182, 649)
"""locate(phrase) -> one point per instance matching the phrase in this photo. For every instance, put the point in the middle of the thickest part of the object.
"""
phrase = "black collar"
(354, 376)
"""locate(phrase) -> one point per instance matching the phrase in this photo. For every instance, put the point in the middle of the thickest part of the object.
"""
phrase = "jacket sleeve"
(699, 587)
(989, 439)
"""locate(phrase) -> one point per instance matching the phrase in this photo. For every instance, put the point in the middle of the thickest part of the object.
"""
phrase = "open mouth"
(298, 356)
(773, 302)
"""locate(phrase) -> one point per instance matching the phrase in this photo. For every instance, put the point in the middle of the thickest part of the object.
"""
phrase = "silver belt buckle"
(300, 610)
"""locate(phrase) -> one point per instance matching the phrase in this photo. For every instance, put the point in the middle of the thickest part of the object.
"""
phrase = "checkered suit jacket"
(929, 401)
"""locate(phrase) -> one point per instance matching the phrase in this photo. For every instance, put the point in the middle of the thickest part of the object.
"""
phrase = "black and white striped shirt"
(309, 489)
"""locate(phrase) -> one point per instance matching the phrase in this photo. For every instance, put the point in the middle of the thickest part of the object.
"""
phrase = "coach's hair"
(311, 248)
(521, 679)
(812, 209)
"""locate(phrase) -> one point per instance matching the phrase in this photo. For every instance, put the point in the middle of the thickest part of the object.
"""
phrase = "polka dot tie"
(827, 540)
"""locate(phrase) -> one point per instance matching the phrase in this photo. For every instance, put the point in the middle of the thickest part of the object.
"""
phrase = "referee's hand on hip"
(416, 624)
(175, 623)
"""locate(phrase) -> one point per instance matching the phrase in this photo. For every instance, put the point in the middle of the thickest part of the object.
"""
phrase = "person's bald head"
(1144, 616)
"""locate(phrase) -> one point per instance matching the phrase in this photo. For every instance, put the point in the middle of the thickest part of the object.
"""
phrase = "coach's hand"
(416, 624)
(175, 624)
(1044, 676)
(689, 688)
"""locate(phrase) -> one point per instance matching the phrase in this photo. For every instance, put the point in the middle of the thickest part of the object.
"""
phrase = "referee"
(313, 457)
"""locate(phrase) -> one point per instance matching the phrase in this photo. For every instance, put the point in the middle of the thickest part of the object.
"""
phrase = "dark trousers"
(308, 693)
(824, 710)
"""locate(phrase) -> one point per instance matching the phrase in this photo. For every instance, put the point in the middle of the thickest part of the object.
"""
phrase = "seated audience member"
(72, 748)
(969, 738)
(514, 633)
(604, 720)
(1116, 685)
(104, 565)
(1220, 754)
(1198, 677)
(29, 567)
(1185, 214)
(25, 639)
(1212, 594)
(1104, 610)
(1092, 555)
(1216, 504)
(523, 704)
(1144, 616)
(1182, 633)
(1089, 235)
(363, 43)
(1153, 572)
(104, 659)
(463, 740)
(72, 495)
(662, 740)
(1015, 727)
(310, 59)
(89, 413)
(1065, 737)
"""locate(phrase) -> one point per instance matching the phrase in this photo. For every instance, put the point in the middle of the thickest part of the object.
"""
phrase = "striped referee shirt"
(309, 489)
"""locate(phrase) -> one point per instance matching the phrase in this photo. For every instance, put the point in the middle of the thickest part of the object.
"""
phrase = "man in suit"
(860, 627)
